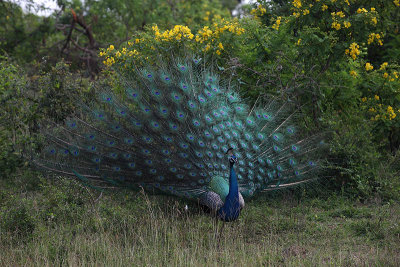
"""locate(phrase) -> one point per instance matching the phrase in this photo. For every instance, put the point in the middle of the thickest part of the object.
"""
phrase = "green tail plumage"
(169, 132)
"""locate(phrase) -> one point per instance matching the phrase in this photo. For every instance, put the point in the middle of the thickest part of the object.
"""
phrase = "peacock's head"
(232, 157)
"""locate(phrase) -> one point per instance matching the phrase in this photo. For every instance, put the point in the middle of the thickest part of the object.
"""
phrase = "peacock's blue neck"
(231, 208)
(233, 183)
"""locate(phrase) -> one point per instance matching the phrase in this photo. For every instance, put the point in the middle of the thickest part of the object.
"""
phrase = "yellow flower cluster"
(178, 33)
(383, 66)
(324, 7)
(136, 42)
(109, 61)
(353, 73)
(112, 56)
(353, 51)
(336, 25)
(374, 20)
(133, 53)
(368, 66)
(206, 33)
(207, 16)
(259, 11)
(339, 14)
(374, 37)
(392, 77)
(220, 47)
(362, 10)
(385, 113)
(277, 23)
(297, 3)
(396, 2)
(347, 24)
(391, 112)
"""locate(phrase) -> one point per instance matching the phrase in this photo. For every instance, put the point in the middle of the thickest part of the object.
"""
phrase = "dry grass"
(139, 230)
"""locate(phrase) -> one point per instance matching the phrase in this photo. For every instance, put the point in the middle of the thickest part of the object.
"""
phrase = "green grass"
(46, 223)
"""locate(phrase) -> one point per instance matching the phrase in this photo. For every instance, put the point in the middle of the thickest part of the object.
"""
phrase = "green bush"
(17, 219)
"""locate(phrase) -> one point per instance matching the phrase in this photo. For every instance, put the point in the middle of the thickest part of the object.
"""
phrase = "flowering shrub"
(211, 40)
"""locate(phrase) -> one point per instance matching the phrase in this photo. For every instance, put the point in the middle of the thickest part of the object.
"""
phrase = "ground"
(59, 222)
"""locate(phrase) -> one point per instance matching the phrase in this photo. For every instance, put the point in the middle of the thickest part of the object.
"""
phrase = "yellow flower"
(109, 61)
(297, 3)
(218, 52)
(324, 7)
(277, 23)
(137, 40)
(336, 25)
(221, 46)
(391, 112)
(353, 51)
(372, 9)
(364, 99)
(384, 65)
(385, 75)
(299, 41)
(347, 24)
(368, 66)
(338, 14)
(306, 11)
(347, 2)
(396, 2)
(374, 20)
(353, 73)
(362, 10)
(111, 48)
(376, 97)
(374, 36)
(259, 11)
(133, 52)
(296, 14)
(118, 54)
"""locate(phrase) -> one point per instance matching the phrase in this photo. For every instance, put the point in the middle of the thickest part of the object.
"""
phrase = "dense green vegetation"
(339, 60)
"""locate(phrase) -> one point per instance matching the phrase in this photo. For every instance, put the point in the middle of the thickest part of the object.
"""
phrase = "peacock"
(181, 130)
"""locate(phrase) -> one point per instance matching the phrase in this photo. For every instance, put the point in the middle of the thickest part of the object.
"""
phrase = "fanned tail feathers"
(169, 131)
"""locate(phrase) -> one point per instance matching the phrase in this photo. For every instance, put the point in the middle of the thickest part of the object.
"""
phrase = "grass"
(46, 223)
